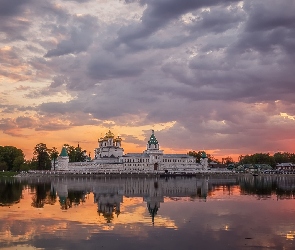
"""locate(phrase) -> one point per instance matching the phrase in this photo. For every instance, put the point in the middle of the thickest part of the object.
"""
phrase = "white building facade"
(109, 158)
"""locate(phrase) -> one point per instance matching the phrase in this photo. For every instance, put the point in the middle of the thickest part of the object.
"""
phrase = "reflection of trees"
(41, 191)
(74, 198)
(64, 203)
(257, 186)
(108, 210)
(265, 186)
(108, 205)
(51, 197)
(108, 214)
(10, 193)
(285, 194)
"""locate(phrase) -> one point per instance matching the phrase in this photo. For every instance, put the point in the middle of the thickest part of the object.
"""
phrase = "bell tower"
(154, 152)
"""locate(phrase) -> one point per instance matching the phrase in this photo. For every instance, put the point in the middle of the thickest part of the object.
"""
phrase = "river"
(206, 212)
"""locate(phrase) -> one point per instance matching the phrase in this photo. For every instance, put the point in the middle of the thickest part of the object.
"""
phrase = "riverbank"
(43, 174)
(8, 174)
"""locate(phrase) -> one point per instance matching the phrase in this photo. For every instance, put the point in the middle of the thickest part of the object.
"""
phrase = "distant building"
(109, 147)
(109, 157)
(285, 166)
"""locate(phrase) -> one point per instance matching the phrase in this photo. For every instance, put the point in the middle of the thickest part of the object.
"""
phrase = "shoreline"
(44, 174)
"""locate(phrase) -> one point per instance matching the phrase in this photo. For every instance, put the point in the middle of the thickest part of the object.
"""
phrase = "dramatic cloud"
(208, 74)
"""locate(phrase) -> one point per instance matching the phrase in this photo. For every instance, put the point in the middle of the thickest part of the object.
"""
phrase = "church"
(109, 157)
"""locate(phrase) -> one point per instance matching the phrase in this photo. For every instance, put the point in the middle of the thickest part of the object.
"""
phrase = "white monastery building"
(110, 158)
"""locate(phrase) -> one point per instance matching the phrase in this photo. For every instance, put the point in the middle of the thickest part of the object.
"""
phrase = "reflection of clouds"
(290, 235)
(140, 215)
(219, 224)
(285, 231)
(54, 222)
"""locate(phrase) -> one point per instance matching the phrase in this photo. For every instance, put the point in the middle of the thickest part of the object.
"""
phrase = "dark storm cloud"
(13, 28)
(60, 108)
(24, 122)
(12, 7)
(105, 66)
(18, 17)
(269, 27)
(274, 14)
(9, 109)
(159, 12)
(217, 20)
(79, 36)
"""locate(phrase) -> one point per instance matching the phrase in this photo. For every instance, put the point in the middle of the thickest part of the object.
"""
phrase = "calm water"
(234, 212)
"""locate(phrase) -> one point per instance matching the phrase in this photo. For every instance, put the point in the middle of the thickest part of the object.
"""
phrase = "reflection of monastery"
(109, 192)
(109, 158)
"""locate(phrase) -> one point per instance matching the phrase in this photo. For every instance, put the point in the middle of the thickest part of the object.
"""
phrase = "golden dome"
(109, 134)
(118, 139)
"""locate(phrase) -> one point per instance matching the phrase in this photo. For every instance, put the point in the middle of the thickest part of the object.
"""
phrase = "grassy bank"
(7, 174)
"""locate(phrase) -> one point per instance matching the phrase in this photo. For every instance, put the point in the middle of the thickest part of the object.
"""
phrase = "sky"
(213, 75)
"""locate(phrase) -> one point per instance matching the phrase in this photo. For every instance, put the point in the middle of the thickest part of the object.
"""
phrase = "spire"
(153, 139)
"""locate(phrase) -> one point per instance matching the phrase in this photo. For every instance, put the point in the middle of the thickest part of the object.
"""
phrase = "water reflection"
(216, 211)
(10, 192)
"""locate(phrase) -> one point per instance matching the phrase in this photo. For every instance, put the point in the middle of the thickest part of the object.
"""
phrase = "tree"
(3, 166)
(18, 161)
(195, 154)
(227, 160)
(257, 158)
(282, 157)
(198, 156)
(212, 158)
(41, 156)
(53, 155)
(76, 154)
(27, 165)
(8, 154)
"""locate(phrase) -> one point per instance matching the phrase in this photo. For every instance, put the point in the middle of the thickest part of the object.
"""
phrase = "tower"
(63, 160)
(153, 142)
(154, 152)
(204, 161)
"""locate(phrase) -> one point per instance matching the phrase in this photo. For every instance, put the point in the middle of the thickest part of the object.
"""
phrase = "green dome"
(63, 152)
(153, 139)
(204, 155)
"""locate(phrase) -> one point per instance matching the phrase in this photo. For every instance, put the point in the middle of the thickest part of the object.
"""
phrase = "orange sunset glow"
(215, 76)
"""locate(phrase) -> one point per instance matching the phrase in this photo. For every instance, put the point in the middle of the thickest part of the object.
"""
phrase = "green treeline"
(13, 159)
(257, 158)
(266, 158)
